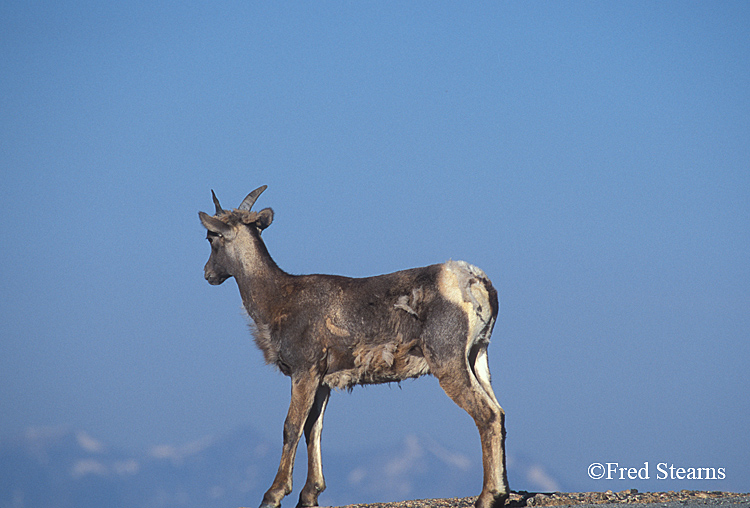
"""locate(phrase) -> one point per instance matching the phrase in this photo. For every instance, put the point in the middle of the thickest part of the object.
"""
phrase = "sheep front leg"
(304, 388)
(313, 427)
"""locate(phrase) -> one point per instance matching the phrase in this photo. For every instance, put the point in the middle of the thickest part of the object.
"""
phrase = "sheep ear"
(265, 218)
(214, 225)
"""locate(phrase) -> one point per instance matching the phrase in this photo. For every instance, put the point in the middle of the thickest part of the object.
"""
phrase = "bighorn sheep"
(328, 331)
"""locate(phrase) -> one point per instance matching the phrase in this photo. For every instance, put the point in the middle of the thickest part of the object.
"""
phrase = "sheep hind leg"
(481, 370)
(473, 394)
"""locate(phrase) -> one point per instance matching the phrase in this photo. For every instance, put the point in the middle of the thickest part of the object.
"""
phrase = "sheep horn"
(249, 201)
(219, 209)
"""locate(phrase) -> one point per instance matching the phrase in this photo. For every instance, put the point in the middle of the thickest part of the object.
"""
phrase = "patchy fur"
(382, 363)
(264, 342)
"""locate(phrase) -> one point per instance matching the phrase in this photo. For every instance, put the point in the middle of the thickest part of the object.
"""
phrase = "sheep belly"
(382, 363)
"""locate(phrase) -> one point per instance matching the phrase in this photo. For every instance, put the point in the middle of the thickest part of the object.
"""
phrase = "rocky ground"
(630, 497)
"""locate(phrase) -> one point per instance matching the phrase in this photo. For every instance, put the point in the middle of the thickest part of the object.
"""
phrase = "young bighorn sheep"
(327, 331)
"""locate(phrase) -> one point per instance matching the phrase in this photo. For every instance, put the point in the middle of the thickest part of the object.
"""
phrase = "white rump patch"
(463, 284)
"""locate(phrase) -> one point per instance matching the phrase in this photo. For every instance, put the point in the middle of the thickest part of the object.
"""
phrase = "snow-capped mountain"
(54, 468)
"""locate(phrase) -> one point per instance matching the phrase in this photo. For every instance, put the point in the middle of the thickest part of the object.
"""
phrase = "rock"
(630, 496)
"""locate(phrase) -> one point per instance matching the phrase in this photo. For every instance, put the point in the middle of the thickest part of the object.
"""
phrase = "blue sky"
(592, 157)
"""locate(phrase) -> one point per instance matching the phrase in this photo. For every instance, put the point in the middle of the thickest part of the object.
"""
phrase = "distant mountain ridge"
(58, 468)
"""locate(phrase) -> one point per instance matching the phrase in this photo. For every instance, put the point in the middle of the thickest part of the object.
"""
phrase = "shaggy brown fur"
(327, 331)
